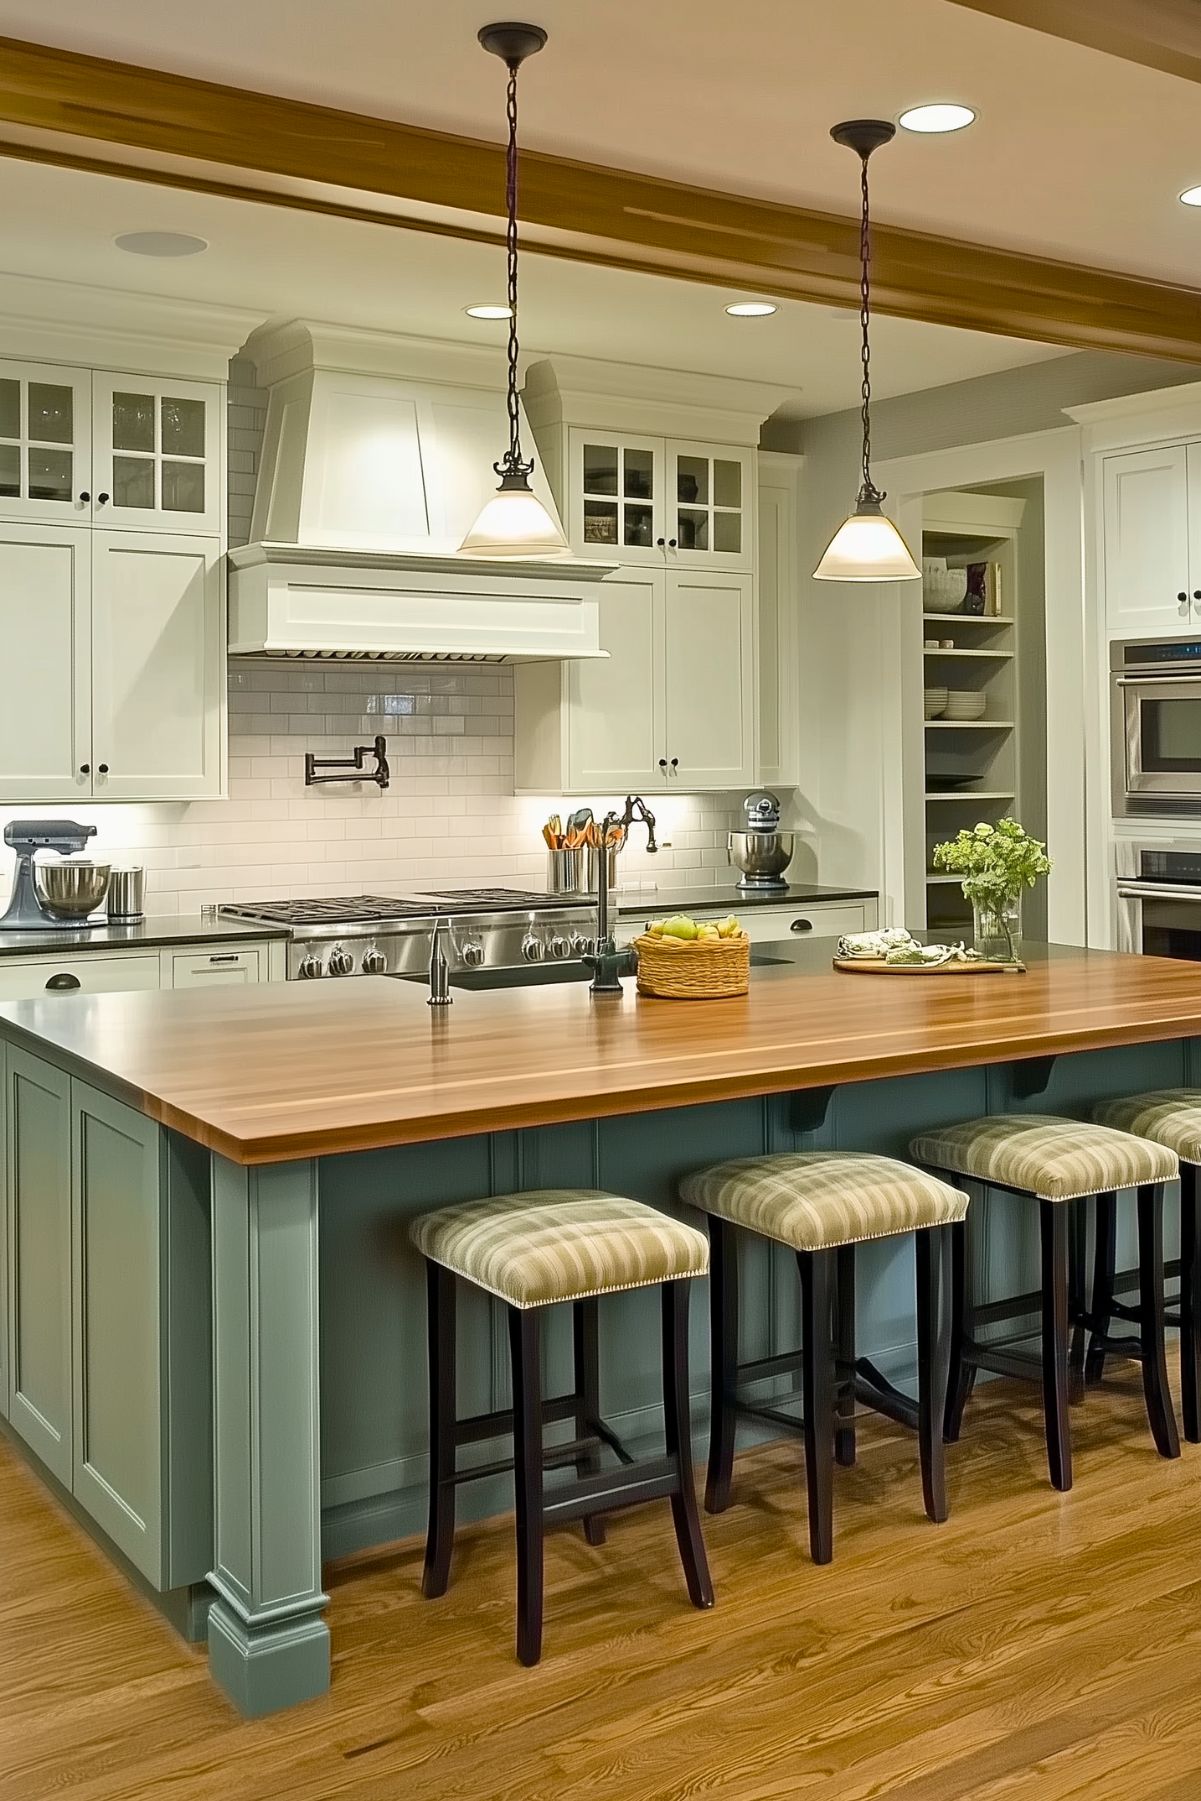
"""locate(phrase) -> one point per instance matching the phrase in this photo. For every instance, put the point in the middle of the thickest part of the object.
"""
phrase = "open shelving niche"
(968, 526)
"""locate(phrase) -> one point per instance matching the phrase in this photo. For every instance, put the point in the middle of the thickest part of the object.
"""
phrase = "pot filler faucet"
(608, 959)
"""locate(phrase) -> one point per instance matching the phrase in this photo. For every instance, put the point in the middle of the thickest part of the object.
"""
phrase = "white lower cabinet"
(766, 924)
(673, 703)
(109, 971)
(112, 683)
(222, 967)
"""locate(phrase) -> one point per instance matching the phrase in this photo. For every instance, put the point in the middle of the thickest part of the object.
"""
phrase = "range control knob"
(581, 944)
(533, 949)
(374, 961)
(559, 946)
(472, 952)
(309, 966)
(340, 962)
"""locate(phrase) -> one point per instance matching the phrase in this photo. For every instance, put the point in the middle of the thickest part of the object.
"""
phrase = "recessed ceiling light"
(942, 116)
(752, 309)
(160, 243)
(1191, 197)
(489, 311)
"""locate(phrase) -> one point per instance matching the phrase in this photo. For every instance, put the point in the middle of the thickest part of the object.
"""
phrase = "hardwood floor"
(1037, 1647)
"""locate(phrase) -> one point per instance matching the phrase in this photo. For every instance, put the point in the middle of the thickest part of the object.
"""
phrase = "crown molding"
(72, 322)
(573, 209)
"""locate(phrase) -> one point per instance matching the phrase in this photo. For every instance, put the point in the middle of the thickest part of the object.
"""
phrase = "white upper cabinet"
(45, 670)
(711, 513)
(158, 656)
(45, 443)
(613, 706)
(708, 709)
(157, 462)
(1152, 539)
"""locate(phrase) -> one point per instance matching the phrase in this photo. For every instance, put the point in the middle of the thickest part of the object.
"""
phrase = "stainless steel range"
(376, 935)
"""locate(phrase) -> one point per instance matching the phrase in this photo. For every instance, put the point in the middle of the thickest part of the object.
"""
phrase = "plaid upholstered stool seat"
(1171, 1117)
(1062, 1164)
(821, 1204)
(532, 1250)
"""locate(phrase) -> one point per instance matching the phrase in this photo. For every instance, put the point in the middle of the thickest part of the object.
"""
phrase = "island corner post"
(301, 1229)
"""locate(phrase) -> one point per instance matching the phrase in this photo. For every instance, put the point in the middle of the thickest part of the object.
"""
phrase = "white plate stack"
(965, 704)
(934, 701)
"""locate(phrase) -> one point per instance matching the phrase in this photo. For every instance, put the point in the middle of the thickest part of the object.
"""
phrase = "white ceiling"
(1074, 155)
(61, 224)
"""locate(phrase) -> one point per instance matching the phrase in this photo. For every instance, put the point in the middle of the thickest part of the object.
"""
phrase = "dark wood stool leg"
(440, 1295)
(817, 1385)
(1077, 1299)
(677, 1432)
(585, 1340)
(931, 1369)
(1190, 1302)
(1104, 1259)
(1054, 1223)
(844, 1431)
(525, 1348)
(723, 1323)
(960, 1373)
(1156, 1392)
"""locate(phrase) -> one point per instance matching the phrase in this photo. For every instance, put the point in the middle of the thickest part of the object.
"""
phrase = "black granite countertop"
(732, 900)
(165, 928)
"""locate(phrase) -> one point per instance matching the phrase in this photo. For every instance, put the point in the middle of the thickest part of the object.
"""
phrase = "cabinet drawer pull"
(224, 957)
(63, 981)
(801, 925)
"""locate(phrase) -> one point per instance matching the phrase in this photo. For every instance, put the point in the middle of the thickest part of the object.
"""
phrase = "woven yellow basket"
(677, 969)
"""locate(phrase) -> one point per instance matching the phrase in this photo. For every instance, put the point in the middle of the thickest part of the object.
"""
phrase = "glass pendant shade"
(514, 523)
(867, 547)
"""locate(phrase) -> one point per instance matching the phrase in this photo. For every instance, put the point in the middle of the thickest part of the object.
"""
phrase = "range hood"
(376, 460)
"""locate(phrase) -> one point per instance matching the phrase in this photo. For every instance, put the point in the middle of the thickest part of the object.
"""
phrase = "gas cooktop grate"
(336, 910)
(480, 899)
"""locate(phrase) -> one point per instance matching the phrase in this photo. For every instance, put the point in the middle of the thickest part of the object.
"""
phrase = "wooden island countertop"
(278, 1072)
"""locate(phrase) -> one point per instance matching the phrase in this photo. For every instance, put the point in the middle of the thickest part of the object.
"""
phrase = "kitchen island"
(215, 1324)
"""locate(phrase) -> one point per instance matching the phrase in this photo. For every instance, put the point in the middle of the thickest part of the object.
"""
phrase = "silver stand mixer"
(762, 852)
(26, 910)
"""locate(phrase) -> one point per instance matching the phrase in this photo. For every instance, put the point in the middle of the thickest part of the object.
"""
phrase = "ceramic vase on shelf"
(997, 929)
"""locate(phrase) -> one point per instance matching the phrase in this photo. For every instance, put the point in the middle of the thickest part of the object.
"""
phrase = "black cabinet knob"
(660, 542)
(1197, 593)
(102, 768)
(62, 981)
(671, 544)
(85, 769)
(663, 762)
(103, 499)
(85, 495)
(675, 762)
(1182, 595)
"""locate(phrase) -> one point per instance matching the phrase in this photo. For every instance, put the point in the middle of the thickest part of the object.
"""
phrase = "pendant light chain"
(512, 463)
(869, 490)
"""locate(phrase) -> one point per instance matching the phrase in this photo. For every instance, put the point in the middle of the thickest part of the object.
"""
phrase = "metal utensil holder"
(592, 869)
(564, 871)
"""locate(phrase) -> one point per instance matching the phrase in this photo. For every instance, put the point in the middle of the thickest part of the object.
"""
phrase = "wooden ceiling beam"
(1159, 34)
(240, 142)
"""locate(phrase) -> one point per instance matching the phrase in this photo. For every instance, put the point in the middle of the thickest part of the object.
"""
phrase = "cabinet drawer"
(203, 969)
(23, 979)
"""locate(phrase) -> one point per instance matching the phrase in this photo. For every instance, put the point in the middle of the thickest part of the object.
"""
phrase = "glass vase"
(997, 929)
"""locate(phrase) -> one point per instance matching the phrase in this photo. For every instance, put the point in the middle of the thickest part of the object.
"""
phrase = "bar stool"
(533, 1250)
(821, 1204)
(1171, 1117)
(1055, 1162)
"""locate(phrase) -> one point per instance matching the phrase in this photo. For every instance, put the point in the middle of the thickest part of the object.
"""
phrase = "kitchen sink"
(525, 975)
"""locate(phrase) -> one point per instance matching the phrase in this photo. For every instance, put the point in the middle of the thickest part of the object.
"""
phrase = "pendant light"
(867, 547)
(514, 523)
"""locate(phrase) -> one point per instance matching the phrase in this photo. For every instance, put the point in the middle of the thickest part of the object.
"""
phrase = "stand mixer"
(762, 852)
(28, 909)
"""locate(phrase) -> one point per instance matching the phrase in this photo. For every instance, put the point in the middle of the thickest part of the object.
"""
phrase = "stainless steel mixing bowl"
(760, 857)
(71, 888)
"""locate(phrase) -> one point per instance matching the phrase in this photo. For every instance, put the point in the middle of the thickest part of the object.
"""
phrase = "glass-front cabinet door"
(45, 443)
(616, 508)
(710, 517)
(158, 462)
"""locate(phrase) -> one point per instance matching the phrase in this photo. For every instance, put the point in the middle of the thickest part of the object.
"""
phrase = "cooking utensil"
(71, 887)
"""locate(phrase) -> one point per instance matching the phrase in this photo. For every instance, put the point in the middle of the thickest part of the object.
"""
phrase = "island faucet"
(608, 959)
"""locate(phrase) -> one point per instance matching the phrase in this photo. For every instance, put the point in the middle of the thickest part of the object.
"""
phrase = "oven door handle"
(1150, 891)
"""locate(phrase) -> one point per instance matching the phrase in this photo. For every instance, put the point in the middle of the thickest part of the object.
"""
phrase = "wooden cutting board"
(878, 966)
